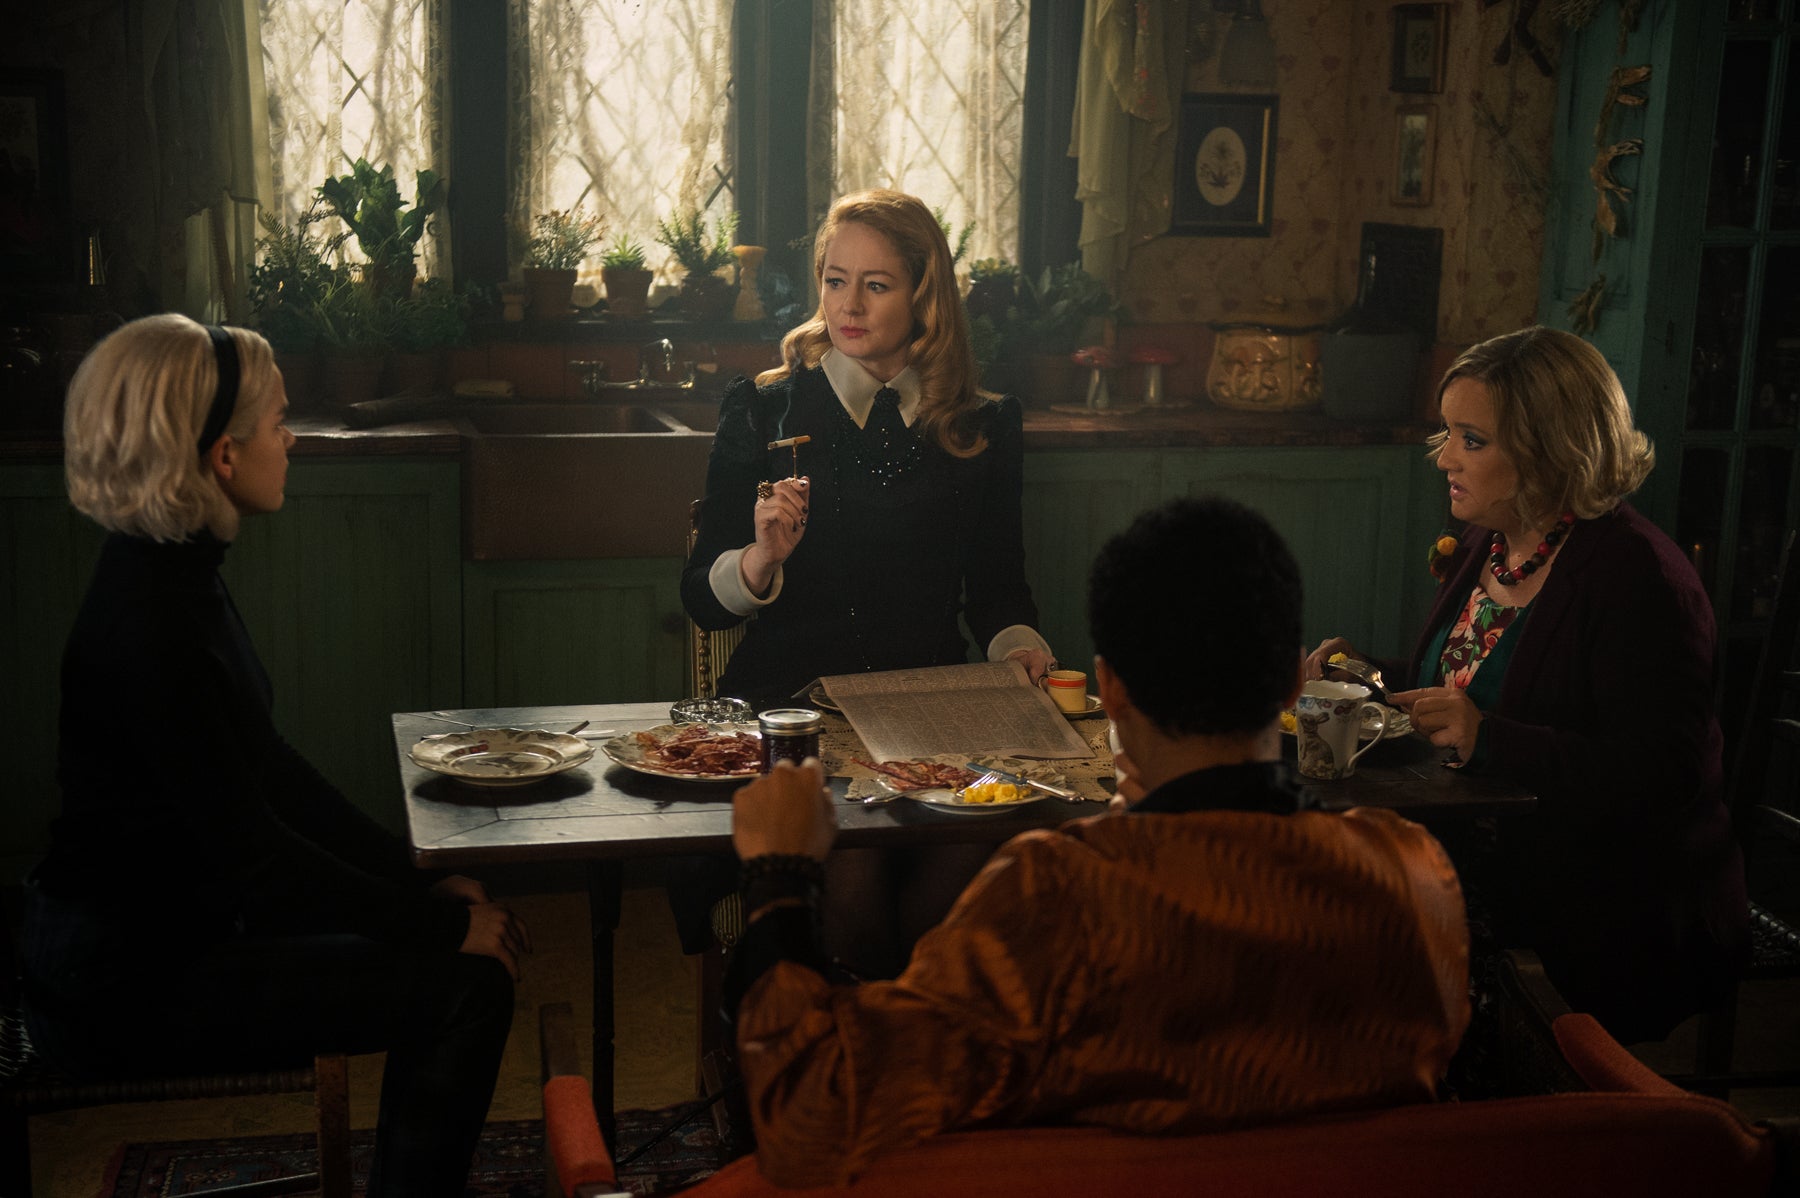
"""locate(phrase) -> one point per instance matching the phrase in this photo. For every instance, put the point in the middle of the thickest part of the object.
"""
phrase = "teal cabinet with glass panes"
(1698, 285)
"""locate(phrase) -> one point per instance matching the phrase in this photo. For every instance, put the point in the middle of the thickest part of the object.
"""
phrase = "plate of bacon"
(947, 783)
(691, 752)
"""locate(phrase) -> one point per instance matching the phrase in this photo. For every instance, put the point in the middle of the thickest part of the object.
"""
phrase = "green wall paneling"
(352, 593)
(47, 552)
(1345, 513)
(565, 632)
(1073, 502)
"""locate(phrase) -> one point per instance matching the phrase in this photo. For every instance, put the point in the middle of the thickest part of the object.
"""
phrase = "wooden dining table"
(602, 814)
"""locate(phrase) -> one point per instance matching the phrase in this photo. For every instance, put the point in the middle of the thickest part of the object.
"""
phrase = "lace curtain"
(931, 100)
(356, 80)
(620, 108)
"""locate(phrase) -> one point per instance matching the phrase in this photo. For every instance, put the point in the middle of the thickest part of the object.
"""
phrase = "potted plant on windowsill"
(292, 274)
(1048, 321)
(559, 242)
(705, 294)
(425, 325)
(627, 279)
(356, 330)
(368, 201)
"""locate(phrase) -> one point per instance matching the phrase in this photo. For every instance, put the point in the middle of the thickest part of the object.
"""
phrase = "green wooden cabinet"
(1359, 520)
(546, 633)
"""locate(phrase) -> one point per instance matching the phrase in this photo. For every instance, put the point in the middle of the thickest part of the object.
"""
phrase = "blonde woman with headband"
(198, 847)
(891, 519)
(1571, 647)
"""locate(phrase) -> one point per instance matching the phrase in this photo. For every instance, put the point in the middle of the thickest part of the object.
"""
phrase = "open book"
(984, 707)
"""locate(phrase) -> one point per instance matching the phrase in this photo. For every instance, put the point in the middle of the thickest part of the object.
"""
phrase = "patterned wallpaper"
(1335, 165)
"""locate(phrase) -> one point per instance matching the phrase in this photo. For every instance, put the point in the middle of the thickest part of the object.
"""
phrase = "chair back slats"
(707, 651)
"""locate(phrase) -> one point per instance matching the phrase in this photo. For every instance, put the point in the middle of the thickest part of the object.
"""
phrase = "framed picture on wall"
(1224, 166)
(1415, 145)
(1420, 38)
(34, 177)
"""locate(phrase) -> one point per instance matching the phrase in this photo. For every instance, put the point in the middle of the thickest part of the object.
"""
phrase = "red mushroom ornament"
(1099, 359)
(1153, 358)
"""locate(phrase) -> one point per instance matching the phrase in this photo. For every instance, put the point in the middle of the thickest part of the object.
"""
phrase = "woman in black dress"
(870, 545)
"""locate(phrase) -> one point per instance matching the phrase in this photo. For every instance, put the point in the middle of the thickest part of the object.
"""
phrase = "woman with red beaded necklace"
(1571, 647)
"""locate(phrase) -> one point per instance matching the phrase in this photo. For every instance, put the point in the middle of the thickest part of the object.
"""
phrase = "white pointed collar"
(856, 387)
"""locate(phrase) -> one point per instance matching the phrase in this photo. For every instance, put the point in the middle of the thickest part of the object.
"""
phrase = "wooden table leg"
(605, 888)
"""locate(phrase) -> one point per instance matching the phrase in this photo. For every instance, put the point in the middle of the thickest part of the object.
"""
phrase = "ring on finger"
(765, 490)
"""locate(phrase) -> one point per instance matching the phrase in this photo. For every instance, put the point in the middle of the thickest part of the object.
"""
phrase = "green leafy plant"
(983, 269)
(353, 317)
(561, 240)
(626, 253)
(435, 315)
(293, 272)
(959, 242)
(368, 201)
(1051, 314)
(699, 251)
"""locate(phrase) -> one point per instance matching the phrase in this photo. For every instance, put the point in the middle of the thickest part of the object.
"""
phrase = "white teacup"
(1327, 718)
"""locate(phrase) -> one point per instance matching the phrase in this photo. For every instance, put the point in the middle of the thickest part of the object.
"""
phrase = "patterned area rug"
(509, 1163)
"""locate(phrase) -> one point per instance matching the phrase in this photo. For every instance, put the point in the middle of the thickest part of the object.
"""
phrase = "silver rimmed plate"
(632, 753)
(819, 699)
(941, 798)
(500, 756)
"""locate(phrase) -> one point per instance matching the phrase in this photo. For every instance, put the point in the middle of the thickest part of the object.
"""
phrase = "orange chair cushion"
(579, 1150)
(1544, 1147)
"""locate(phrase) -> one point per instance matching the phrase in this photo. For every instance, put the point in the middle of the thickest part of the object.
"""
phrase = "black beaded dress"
(902, 540)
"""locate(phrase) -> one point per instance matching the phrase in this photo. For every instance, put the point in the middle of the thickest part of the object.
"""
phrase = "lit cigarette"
(792, 444)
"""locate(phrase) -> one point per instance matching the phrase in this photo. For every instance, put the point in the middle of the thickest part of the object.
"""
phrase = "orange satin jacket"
(1169, 972)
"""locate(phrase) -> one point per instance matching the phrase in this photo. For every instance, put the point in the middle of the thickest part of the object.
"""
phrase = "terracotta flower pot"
(627, 288)
(300, 377)
(352, 376)
(549, 293)
(417, 372)
(707, 297)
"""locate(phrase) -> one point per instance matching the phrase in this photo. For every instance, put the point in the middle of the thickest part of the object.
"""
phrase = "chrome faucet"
(593, 373)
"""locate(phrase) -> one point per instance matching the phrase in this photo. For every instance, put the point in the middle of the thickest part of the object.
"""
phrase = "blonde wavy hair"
(1561, 418)
(132, 424)
(940, 353)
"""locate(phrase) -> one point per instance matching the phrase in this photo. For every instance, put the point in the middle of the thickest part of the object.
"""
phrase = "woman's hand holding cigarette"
(780, 523)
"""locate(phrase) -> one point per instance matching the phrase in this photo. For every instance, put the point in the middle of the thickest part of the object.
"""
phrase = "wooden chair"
(1761, 826)
(707, 651)
(1618, 1129)
(28, 1086)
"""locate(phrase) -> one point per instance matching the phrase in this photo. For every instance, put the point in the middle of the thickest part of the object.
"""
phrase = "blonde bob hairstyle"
(1561, 418)
(940, 353)
(132, 424)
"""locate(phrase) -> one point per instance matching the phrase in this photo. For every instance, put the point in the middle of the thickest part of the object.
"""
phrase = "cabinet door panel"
(548, 633)
(1073, 503)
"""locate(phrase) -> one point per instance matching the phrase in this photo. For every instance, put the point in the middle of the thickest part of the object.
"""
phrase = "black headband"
(225, 399)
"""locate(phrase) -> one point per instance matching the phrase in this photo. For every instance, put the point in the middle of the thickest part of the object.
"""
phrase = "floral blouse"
(1476, 631)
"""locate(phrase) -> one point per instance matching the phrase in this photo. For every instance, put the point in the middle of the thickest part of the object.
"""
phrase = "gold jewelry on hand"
(765, 490)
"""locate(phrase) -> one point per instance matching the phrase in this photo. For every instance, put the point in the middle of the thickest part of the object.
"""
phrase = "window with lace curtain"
(354, 80)
(624, 107)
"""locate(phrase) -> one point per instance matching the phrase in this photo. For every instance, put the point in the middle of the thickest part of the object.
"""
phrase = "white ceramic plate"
(500, 756)
(822, 701)
(1398, 724)
(626, 751)
(941, 799)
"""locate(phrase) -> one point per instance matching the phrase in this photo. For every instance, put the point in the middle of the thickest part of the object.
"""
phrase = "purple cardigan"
(1626, 879)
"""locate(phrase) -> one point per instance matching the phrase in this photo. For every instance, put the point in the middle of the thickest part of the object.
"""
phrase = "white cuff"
(730, 587)
(1011, 639)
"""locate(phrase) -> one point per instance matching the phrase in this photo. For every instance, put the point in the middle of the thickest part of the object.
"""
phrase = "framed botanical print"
(1415, 146)
(1224, 166)
(1420, 41)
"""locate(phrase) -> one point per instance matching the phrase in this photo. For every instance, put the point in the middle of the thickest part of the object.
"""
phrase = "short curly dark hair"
(1196, 609)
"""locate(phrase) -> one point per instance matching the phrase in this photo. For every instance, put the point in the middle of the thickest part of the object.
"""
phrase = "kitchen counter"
(1197, 426)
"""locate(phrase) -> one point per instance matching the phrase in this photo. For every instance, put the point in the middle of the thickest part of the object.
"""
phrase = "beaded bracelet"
(774, 876)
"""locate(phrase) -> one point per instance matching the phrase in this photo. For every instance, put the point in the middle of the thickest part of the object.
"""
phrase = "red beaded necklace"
(1530, 565)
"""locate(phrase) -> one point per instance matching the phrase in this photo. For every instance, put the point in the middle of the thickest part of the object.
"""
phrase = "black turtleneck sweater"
(186, 818)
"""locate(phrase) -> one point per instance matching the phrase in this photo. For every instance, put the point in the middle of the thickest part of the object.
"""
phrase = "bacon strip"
(921, 775)
(696, 749)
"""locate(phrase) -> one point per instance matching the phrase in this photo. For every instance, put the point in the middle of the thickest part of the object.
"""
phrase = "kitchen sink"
(561, 481)
(562, 420)
(700, 415)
